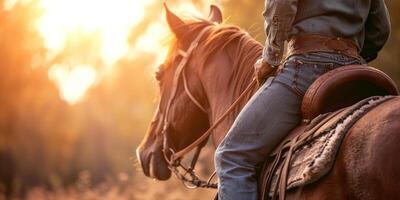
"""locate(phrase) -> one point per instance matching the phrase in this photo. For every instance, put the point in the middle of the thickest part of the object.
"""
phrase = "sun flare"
(73, 82)
(95, 35)
(110, 20)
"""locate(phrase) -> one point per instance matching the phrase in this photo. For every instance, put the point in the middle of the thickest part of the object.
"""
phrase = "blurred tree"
(389, 59)
(30, 109)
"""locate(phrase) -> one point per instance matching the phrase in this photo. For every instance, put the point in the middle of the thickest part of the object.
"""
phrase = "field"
(123, 189)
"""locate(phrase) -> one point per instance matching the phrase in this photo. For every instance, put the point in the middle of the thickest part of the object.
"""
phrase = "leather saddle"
(345, 86)
(327, 97)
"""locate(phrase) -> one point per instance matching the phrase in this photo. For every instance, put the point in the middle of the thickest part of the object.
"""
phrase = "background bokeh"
(77, 93)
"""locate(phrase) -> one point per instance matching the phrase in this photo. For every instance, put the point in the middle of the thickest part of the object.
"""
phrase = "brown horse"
(218, 71)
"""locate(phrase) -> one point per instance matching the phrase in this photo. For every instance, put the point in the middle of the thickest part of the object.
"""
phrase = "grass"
(126, 188)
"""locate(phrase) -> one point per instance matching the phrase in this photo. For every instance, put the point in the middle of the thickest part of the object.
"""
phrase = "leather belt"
(307, 43)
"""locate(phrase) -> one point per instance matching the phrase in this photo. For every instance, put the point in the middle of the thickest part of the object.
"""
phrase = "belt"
(307, 43)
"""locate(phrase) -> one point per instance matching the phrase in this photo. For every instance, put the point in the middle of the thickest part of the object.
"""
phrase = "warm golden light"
(74, 82)
(113, 19)
(109, 22)
(154, 40)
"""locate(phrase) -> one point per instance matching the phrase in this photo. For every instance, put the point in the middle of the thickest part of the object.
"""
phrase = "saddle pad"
(315, 157)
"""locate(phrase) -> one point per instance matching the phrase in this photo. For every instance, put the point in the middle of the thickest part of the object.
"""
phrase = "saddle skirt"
(307, 157)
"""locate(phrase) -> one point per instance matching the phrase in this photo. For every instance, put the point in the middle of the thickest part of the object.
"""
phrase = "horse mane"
(221, 36)
(217, 38)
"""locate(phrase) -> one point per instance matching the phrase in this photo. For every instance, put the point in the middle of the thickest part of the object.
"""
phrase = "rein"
(189, 177)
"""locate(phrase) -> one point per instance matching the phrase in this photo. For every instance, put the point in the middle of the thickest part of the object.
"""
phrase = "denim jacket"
(365, 21)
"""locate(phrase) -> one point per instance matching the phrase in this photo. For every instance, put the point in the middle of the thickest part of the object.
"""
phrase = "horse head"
(181, 116)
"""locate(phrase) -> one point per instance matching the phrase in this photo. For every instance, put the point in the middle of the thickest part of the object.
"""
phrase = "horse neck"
(226, 76)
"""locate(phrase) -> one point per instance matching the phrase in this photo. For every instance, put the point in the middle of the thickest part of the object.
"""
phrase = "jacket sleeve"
(279, 16)
(377, 30)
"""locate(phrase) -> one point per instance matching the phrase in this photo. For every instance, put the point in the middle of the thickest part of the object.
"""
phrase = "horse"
(199, 85)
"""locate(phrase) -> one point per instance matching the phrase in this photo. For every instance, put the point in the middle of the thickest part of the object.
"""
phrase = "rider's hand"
(262, 70)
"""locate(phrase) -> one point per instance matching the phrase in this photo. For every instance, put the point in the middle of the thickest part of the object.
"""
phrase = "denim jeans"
(266, 119)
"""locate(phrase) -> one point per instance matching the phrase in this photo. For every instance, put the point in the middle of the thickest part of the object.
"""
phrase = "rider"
(321, 35)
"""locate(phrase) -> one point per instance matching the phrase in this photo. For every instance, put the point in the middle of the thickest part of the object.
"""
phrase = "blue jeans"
(266, 119)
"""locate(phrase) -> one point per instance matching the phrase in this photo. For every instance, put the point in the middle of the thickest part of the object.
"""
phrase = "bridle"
(188, 176)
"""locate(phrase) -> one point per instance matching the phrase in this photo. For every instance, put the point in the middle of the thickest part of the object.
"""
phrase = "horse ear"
(215, 15)
(177, 26)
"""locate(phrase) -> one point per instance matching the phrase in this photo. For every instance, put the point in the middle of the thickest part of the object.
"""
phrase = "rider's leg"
(264, 122)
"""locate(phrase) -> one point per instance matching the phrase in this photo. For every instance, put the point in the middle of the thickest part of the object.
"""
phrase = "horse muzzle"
(153, 164)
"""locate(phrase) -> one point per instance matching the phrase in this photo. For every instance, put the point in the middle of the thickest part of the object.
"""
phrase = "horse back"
(370, 152)
(366, 165)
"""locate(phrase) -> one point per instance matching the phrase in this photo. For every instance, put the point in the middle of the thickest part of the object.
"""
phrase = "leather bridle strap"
(178, 72)
(178, 155)
(194, 100)
(175, 157)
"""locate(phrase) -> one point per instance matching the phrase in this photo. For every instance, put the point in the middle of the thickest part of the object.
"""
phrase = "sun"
(109, 21)
(111, 18)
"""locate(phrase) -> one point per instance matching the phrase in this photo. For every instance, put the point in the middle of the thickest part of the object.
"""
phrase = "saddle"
(343, 87)
(332, 104)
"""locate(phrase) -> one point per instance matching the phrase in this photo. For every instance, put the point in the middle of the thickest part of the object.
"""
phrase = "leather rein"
(188, 176)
